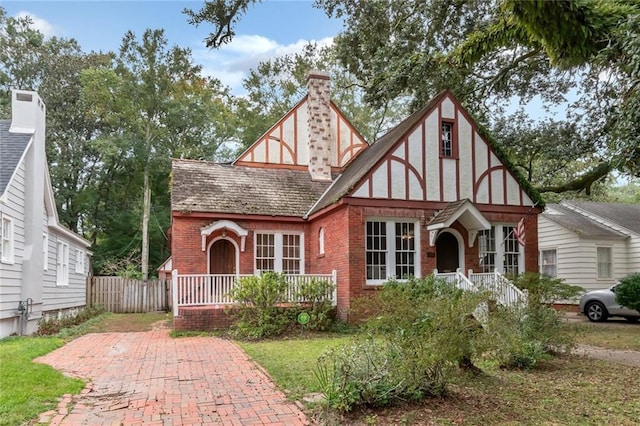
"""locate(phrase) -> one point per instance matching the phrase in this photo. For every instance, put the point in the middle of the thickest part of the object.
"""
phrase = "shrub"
(315, 293)
(422, 330)
(48, 327)
(261, 312)
(522, 336)
(628, 292)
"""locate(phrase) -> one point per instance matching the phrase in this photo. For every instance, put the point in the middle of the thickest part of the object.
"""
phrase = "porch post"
(174, 291)
(334, 278)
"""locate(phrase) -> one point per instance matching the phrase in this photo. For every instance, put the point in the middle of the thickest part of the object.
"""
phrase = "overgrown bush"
(317, 304)
(48, 327)
(628, 292)
(524, 335)
(421, 331)
(261, 312)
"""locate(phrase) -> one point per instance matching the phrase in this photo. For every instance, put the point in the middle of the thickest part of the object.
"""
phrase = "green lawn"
(291, 362)
(610, 335)
(27, 388)
(567, 390)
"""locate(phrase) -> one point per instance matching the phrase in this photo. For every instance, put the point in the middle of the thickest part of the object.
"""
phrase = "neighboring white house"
(43, 265)
(589, 244)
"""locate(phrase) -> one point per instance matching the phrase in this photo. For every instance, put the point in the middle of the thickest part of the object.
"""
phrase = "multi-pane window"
(279, 252)
(265, 252)
(499, 250)
(604, 262)
(6, 240)
(487, 249)
(511, 257)
(447, 140)
(79, 261)
(390, 250)
(62, 270)
(405, 249)
(291, 254)
(376, 250)
(549, 262)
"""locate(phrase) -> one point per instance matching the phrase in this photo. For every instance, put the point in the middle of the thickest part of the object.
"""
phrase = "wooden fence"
(123, 295)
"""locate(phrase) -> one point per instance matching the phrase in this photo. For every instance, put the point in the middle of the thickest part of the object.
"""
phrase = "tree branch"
(584, 182)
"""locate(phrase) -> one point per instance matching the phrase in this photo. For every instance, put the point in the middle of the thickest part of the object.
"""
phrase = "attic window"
(446, 144)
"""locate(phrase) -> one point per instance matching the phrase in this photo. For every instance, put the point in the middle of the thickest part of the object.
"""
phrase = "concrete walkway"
(149, 378)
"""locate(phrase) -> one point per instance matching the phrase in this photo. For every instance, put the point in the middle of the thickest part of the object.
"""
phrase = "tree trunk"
(146, 211)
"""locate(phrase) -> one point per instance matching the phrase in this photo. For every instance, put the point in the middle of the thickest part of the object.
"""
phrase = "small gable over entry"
(462, 211)
(224, 226)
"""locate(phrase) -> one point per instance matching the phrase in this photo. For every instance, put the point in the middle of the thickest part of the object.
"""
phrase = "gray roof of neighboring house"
(579, 223)
(224, 188)
(625, 215)
(12, 146)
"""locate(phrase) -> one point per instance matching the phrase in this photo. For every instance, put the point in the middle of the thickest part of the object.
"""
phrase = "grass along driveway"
(568, 390)
(617, 335)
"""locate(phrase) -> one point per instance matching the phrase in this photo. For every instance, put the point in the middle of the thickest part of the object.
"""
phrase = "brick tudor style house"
(310, 196)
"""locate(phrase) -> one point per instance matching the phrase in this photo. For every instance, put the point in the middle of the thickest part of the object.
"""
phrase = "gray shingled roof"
(201, 186)
(625, 215)
(580, 224)
(368, 158)
(12, 146)
(447, 212)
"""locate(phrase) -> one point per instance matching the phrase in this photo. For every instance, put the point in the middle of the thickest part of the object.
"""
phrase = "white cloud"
(39, 24)
(232, 63)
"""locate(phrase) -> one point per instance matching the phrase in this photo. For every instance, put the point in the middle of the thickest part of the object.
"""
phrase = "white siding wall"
(576, 257)
(11, 274)
(62, 297)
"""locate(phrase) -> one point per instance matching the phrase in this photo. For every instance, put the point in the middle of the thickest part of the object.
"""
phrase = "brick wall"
(202, 318)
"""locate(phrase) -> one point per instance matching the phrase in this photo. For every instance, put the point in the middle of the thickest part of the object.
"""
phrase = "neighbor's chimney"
(319, 125)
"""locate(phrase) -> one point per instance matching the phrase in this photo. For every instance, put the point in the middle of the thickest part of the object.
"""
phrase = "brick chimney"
(319, 125)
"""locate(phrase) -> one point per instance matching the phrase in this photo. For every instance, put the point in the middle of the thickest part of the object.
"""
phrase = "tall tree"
(160, 107)
(488, 52)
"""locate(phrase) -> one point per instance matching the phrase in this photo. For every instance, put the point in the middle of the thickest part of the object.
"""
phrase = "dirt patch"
(631, 358)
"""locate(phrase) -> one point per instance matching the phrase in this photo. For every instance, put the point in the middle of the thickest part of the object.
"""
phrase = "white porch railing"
(214, 289)
(505, 292)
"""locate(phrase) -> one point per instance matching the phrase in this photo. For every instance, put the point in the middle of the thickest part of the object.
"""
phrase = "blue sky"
(269, 29)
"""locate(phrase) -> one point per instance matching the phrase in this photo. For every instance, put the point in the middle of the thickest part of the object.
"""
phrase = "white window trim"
(391, 248)
(277, 244)
(8, 256)
(540, 265)
(45, 251)
(80, 261)
(62, 264)
(611, 257)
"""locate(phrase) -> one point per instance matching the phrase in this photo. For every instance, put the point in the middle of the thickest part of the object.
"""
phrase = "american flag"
(519, 233)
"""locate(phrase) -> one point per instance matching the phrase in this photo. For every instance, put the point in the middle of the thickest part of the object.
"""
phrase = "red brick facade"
(344, 249)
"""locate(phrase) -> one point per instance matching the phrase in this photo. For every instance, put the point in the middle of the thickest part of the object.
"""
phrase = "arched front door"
(222, 258)
(447, 253)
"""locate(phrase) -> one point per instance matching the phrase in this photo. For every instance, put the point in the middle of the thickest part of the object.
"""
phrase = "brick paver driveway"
(149, 378)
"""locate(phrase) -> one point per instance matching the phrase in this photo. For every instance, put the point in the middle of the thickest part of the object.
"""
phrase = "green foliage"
(266, 309)
(54, 326)
(28, 388)
(421, 331)
(261, 312)
(542, 289)
(316, 293)
(628, 292)
(524, 335)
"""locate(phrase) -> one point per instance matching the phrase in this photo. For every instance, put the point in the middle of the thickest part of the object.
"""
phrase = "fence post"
(87, 296)
(174, 288)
